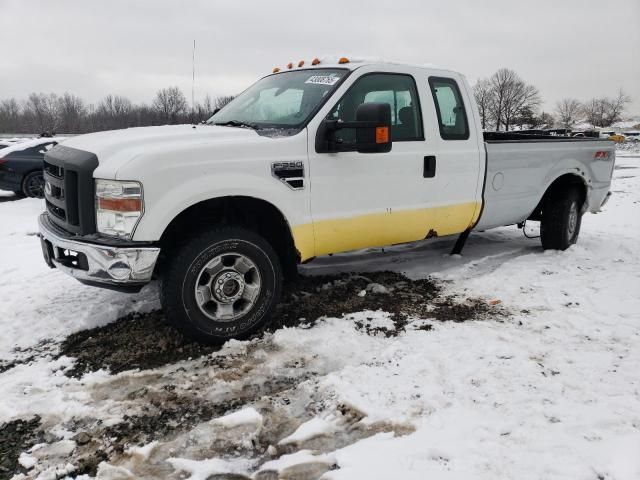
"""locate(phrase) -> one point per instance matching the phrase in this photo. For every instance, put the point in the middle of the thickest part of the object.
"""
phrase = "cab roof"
(351, 63)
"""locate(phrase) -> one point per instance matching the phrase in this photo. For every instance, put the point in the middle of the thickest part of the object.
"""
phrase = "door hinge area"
(290, 173)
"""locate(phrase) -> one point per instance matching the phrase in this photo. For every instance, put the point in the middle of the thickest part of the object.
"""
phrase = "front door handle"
(429, 170)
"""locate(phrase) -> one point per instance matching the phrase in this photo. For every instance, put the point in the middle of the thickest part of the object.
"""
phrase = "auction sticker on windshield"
(330, 79)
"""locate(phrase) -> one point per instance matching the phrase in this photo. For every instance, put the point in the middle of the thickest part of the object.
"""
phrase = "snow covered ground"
(548, 387)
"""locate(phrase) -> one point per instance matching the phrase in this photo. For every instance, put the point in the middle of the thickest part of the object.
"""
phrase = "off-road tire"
(27, 184)
(561, 219)
(178, 283)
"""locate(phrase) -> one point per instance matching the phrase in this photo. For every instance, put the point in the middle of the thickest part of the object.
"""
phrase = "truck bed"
(502, 137)
(520, 168)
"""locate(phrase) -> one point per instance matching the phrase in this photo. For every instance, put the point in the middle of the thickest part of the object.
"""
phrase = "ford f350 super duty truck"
(308, 161)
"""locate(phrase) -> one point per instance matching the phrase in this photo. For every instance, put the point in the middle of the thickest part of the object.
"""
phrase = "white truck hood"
(116, 148)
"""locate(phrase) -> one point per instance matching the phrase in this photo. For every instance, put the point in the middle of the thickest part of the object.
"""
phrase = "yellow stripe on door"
(380, 229)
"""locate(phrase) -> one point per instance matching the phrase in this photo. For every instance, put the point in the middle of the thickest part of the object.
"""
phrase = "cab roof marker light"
(276, 70)
(315, 61)
(300, 63)
(290, 65)
(343, 60)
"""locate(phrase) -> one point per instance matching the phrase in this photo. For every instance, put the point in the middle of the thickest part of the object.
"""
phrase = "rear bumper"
(125, 268)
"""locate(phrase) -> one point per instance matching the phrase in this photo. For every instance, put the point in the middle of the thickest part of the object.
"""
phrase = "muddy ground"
(146, 340)
(158, 405)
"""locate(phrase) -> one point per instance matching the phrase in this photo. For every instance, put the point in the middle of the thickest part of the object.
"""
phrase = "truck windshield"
(285, 100)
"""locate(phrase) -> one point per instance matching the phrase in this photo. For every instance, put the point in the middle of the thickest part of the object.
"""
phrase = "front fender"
(162, 207)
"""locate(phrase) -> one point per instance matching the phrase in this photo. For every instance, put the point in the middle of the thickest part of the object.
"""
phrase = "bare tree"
(568, 111)
(546, 120)
(71, 111)
(10, 116)
(615, 108)
(505, 97)
(484, 96)
(42, 112)
(517, 96)
(604, 111)
(594, 111)
(208, 105)
(170, 103)
(222, 101)
(204, 110)
(113, 112)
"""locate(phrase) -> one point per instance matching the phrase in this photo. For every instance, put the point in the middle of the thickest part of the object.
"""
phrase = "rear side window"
(452, 117)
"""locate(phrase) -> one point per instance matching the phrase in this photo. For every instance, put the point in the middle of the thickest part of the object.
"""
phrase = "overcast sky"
(567, 48)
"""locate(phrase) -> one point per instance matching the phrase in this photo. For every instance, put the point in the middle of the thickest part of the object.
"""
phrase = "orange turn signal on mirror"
(382, 134)
(120, 204)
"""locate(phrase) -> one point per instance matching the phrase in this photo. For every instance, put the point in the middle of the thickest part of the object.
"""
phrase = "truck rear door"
(457, 152)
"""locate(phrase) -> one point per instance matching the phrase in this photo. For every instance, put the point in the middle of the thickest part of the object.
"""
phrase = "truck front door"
(363, 200)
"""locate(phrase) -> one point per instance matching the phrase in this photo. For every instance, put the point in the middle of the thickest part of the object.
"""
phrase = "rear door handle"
(429, 170)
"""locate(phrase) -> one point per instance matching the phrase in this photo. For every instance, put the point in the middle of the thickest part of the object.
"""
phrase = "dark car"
(21, 167)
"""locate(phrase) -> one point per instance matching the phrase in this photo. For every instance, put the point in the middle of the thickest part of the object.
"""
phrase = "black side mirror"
(374, 134)
(372, 126)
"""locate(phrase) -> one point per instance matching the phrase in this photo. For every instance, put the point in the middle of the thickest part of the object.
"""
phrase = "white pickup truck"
(308, 161)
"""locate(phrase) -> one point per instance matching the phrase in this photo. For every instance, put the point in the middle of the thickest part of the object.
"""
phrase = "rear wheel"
(561, 220)
(33, 184)
(222, 284)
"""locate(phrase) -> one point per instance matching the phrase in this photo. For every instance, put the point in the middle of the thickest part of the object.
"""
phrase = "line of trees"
(68, 113)
(601, 112)
(506, 102)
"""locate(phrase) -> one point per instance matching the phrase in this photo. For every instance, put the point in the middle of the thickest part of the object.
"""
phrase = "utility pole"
(193, 83)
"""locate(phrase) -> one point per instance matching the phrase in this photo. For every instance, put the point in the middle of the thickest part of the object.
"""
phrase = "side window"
(399, 91)
(452, 117)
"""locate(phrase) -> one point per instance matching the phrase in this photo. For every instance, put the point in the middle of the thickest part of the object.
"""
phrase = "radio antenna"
(193, 83)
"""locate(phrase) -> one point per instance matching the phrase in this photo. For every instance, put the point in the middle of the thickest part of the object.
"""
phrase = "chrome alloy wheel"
(227, 287)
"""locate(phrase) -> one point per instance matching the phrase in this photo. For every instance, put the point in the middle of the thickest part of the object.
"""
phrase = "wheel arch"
(253, 213)
(562, 183)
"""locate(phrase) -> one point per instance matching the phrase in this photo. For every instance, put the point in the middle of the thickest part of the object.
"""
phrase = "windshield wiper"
(237, 123)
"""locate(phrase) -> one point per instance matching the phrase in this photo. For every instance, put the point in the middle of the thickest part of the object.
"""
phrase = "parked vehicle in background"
(308, 161)
(616, 137)
(21, 166)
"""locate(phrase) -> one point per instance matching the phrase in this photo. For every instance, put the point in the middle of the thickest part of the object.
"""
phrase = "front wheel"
(561, 220)
(223, 284)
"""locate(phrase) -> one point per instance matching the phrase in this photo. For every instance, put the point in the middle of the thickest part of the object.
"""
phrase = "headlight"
(119, 206)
